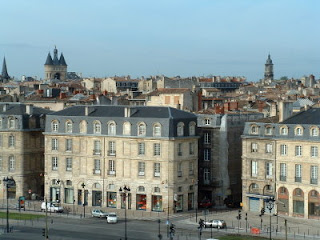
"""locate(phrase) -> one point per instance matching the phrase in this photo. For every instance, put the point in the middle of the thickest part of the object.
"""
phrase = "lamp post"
(84, 201)
(270, 205)
(124, 192)
(8, 182)
(58, 200)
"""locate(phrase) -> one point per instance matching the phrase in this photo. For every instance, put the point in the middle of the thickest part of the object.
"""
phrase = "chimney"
(126, 112)
(29, 109)
(285, 110)
(88, 110)
(5, 107)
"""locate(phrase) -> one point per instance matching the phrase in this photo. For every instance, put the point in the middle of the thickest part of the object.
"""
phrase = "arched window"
(284, 130)
(141, 129)
(157, 189)
(314, 132)
(192, 128)
(112, 128)
(69, 183)
(268, 130)
(69, 126)
(254, 129)
(299, 131)
(141, 189)
(96, 127)
(157, 130)
(126, 128)
(97, 185)
(11, 122)
(54, 126)
(180, 129)
(254, 188)
(83, 126)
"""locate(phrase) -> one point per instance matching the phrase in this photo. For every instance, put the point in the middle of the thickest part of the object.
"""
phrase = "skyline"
(186, 38)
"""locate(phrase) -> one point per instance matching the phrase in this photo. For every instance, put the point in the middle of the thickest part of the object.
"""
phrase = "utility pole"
(46, 231)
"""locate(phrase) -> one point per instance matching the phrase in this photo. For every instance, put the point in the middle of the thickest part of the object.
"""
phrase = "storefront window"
(314, 209)
(141, 202)
(68, 193)
(126, 199)
(157, 203)
(112, 199)
(54, 194)
(179, 203)
(298, 207)
(79, 197)
(190, 201)
(96, 198)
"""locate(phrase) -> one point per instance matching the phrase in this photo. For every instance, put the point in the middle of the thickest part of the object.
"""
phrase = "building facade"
(281, 160)
(22, 149)
(93, 151)
(55, 68)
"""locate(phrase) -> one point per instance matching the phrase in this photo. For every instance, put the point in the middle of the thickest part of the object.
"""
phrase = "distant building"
(55, 68)
(4, 77)
(268, 69)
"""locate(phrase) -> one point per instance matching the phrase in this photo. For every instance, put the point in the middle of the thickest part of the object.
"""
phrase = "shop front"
(157, 203)
(141, 202)
(112, 199)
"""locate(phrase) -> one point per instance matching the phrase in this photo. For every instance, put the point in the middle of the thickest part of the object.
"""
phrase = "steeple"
(55, 56)
(62, 61)
(4, 73)
(268, 69)
(49, 60)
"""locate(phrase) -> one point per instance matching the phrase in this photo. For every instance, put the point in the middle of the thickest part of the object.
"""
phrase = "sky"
(101, 38)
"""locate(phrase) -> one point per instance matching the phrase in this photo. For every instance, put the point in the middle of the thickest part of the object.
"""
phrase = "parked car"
(205, 204)
(51, 207)
(99, 213)
(112, 218)
(215, 224)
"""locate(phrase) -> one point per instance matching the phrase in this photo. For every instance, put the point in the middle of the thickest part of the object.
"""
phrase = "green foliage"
(20, 216)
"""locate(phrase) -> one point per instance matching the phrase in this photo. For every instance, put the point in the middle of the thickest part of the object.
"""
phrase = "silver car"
(98, 213)
(215, 224)
(112, 218)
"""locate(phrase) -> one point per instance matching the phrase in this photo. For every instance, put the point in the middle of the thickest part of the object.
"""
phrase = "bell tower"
(55, 68)
(268, 69)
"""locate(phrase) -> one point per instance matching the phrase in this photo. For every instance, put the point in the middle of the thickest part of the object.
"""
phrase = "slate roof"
(118, 111)
(20, 109)
(311, 116)
(49, 60)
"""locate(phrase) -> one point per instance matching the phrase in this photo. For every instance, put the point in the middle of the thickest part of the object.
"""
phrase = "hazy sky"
(171, 37)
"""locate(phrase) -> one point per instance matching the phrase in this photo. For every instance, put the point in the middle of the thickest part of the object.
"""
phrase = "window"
(191, 171)
(207, 138)
(284, 131)
(141, 129)
(12, 163)
(298, 169)
(1, 164)
(97, 127)
(69, 164)
(314, 174)
(206, 176)
(269, 148)
(141, 148)
(54, 163)
(192, 129)
(55, 126)
(314, 132)
(206, 154)
(112, 148)
(127, 129)
(157, 130)
(69, 127)
(97, 166)
(283, 172)
(180, 130)
(156, 149)
(179, 150)
(254, 130)
(156, 189)
(298, 131)
(11, 141)
(314, 151)
(141, 168)
(269, 169)
(298, 151)
(112, 167)
(96, 147)
(191, 148)
(283, 150)
(207, 121)
(68, 145)
(157, 169)
(112, 129)
(141, 189)
(254, 168)
(180, 169)
(1, 141)
(1, 123)
(54, 144)
(254, 147)
(83, 126)
(268, 130)
(11, 122)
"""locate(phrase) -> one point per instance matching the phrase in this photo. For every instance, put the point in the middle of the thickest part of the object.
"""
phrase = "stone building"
(280, 160)
(55, 68)
(268, 70)
(22, 149)
(92, 151)
(4, 77)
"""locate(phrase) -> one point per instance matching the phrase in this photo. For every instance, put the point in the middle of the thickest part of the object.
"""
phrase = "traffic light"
(43, 232)
(246, 217)
(239, 215)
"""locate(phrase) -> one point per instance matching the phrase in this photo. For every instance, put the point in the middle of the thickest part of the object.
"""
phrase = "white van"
(51, 207)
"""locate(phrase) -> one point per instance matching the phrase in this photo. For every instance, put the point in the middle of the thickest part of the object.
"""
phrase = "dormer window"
(254, 129)
(11, 122)
(141, 129)
(112, 128)
(207, 121)
(299, 131)
(157, 130)
(314, 132)
(192, 129)
(54, 126)
(69, 126)
(283, 131)
(97, 127)
(268, 130)
(180, 130)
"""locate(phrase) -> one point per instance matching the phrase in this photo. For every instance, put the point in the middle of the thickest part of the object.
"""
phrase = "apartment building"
(281, 160)
(22, 149)
(93, 151)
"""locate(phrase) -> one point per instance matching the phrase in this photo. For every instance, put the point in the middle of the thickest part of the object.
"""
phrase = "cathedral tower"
(268, 69)
(55, 68)
(4, 77)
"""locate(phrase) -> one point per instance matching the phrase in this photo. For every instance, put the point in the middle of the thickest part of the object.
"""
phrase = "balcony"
(141, 173)
(96, 152)
(157, 174)
(112, 173)
(313, 181)
(283, 178)
(96, 171)
(111, 153)
(297, 179)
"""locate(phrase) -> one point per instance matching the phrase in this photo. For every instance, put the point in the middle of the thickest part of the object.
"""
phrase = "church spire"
(4, 73)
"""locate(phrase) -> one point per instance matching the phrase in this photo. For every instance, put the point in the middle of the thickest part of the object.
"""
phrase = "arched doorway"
(57, 76)
(298, 202)
(283, 201)
(314, 204)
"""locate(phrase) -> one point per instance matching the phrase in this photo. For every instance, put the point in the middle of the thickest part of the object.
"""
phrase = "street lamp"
(124, 194)
(9, 182)
(58, 200)
(84, 201)
(270, 205)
